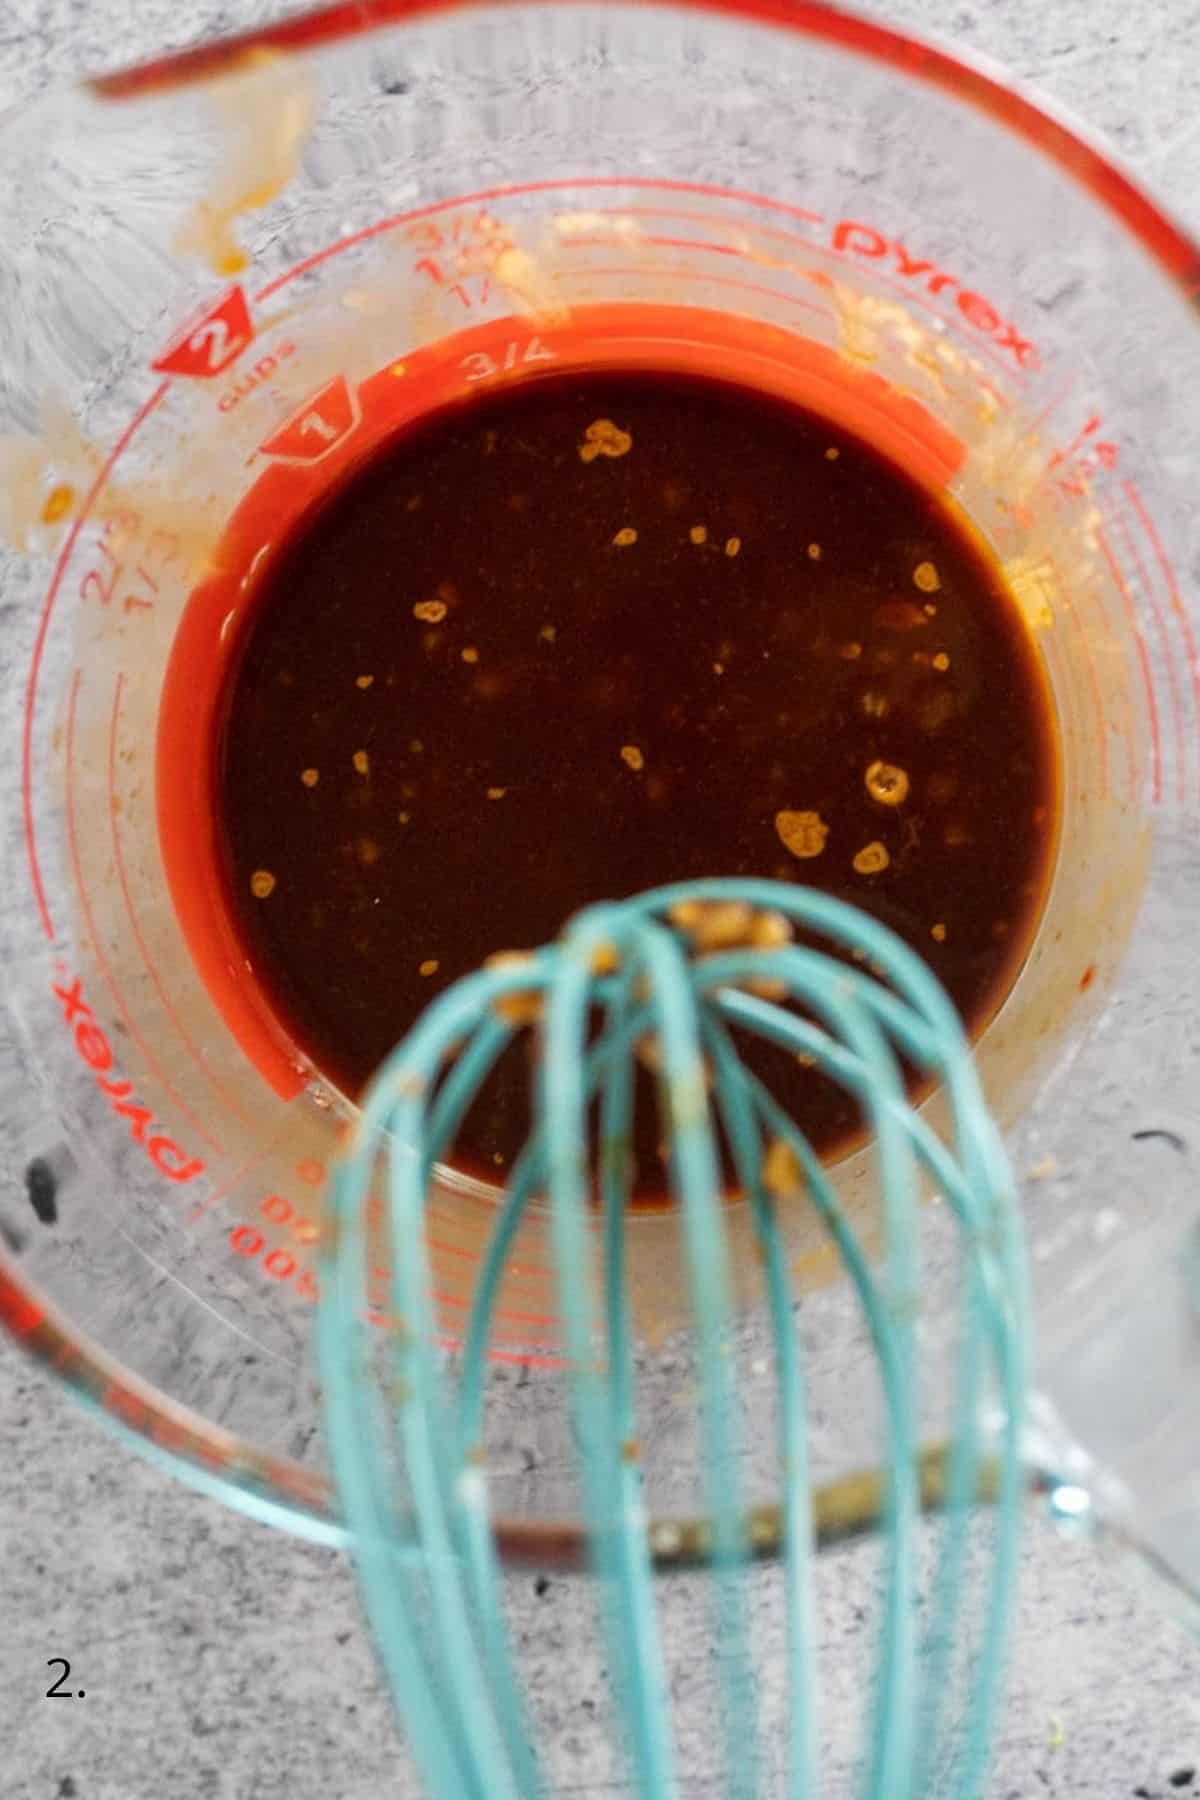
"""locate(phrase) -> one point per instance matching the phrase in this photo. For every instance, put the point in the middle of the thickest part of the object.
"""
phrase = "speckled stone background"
(222, 1661)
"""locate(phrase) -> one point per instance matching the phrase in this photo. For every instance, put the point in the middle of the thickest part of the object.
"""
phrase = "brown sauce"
(599, 632)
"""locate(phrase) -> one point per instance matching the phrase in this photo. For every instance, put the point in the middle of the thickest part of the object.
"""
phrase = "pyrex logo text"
(851, 237)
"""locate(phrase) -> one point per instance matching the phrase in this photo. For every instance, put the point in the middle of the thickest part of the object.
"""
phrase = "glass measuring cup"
(224, 278)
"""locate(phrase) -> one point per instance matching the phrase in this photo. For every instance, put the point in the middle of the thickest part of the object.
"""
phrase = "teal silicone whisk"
(687, 971)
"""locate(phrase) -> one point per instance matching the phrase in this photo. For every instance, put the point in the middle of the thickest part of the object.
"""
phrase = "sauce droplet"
(803, 833)
(872, 859)
(887, 783)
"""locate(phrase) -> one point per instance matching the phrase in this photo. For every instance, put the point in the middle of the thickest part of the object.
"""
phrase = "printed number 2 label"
(207, 346)
(479, 366)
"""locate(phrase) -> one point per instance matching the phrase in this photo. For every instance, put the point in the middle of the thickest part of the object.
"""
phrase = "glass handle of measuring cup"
(1120, 1352)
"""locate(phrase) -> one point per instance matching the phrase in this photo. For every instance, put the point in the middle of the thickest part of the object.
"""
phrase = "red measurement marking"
(227, 1186)
(1077, 442)
(489, 233)
(481, 365)
(317, 427)
(1143, 660)
(1177, 607)
(1081, 460)
(39, 649)
(518, 1318)
(678, 243)
(730, 281)
(1107, 634)
(473, 1256)
(1117, 520)
(93, 585)
(280, 1265)
(1053, 404)
(1131, 748)
(208, 344)
(577, 241)
(123, 880)
(280, 1211)
(434, 270)
(100, 585)
(1085, 638)
(516, 189)
(798, 273)
(697, 218)
(770, 232)
(95, 938)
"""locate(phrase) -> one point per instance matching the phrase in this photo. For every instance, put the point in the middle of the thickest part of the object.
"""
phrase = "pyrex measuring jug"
(223, 279)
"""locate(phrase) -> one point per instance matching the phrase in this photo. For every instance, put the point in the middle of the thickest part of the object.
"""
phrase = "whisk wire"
(617, 1536)
(696, 1188)
(616, 1171)
(439, 1616)
(735, 1103)
(998, 1301)
(481, 1693)
(383, 1553)
(824, 989)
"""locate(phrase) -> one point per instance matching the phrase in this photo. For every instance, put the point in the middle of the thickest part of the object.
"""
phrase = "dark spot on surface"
(395, 87)
(1087, 978)
(41, 1184)
(541, 1586)
(1168, 1137)
(66, 1788)
(343, 1637)
(1142, 1793)
(1182, 1778)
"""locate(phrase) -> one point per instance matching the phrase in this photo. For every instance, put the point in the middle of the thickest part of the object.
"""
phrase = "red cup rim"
(975, 81)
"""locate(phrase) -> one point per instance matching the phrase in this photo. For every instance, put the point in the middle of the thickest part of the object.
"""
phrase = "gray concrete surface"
(213, 1659)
